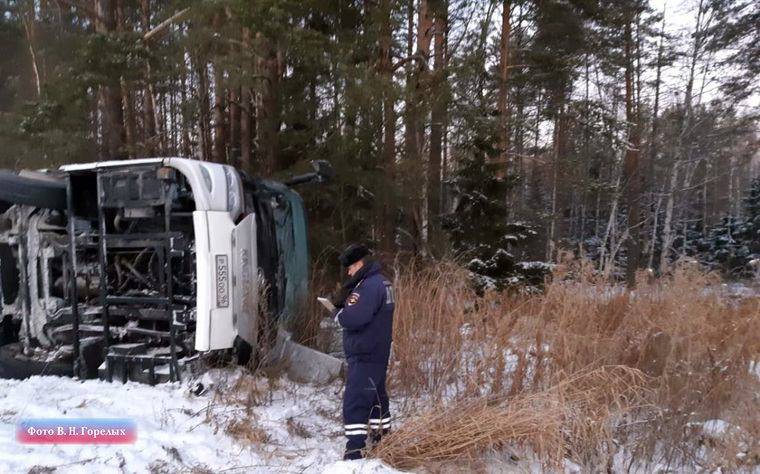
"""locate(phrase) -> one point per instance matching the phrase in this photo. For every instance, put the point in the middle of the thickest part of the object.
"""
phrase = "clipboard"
(326, 303)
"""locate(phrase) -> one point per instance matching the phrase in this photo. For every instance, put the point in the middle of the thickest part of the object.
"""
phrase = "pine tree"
(736, 31)
(396, 94)
(478, 227)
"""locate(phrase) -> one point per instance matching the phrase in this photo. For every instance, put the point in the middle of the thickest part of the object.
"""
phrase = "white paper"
(326, 303)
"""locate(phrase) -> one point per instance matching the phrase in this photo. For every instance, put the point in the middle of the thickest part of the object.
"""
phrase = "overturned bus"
(131, 269)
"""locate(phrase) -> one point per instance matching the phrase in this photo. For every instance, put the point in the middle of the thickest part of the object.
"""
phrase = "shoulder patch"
(390, 296)
(353, 299)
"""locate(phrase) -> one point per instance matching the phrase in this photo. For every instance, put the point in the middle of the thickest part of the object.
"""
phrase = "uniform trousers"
(365, 406)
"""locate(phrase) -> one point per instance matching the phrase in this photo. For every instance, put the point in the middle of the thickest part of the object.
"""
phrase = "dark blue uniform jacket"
(367, 316)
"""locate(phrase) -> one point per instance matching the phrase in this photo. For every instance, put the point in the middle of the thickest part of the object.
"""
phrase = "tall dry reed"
(691, 344)
(569, 415)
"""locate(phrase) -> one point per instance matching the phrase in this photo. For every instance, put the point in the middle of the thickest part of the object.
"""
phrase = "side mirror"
(323, 173)
(324, 169)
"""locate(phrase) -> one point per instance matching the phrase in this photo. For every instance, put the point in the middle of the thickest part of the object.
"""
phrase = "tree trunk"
(419, 117)
(504, 111)
(220, 138)
(668, 223)
(409, 109)
(536, 141)
(609, 232)
(173, 120)
(29, 22)
(388, 231)
(438, 119)
(245, 128)
(131, 122)
(234, 158)
(632, 168)
(424, 38)
(202, 93)
(149, 111)
(268, 112)
(705, 209)
(650, 263)
(557, 153)
(586, 150)
(186, 149)
(112, 117)
(667, 230)
(245, 116)
(653, 142)
(149, 99)
(733, 202)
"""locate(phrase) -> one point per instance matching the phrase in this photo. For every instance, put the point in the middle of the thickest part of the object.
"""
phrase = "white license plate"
(222, 281)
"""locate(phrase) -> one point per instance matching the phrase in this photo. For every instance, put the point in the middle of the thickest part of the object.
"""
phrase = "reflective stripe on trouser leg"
(360, 403)
(381, 415)
(356, 429)
(379, 428)
(380, 423)
(385, 413)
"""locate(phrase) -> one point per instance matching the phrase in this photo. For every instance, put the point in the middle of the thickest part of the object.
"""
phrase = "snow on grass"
(365, 467)
(754, 368)
(285, 428)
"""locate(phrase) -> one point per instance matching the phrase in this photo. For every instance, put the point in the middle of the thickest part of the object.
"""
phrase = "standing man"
(366, 317)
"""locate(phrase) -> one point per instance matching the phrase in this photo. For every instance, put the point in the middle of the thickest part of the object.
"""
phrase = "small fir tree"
(734, 243)
(478, 227)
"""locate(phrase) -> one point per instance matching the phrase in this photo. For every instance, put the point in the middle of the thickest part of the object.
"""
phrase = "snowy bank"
(179, 431)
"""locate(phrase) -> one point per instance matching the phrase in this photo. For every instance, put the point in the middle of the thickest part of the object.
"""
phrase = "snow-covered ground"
(235, 424)
(230, 428)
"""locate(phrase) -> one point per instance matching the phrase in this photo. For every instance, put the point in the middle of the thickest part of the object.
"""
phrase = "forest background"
(624, 131)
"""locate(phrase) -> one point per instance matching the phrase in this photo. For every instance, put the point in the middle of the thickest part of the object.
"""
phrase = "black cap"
(353, 254)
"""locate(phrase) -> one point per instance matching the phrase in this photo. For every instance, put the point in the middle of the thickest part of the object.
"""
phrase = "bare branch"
(418, 57)
(89, 11)
(165, 24)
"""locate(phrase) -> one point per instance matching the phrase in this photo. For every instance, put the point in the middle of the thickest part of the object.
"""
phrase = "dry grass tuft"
(571, 414)
(245, 431)
(245, 389)
(297, 429)
(231, 408)
(531, 369)
(165, 467)
(432, 307)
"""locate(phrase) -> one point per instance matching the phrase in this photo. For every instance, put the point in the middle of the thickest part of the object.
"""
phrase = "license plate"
(222, 281)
